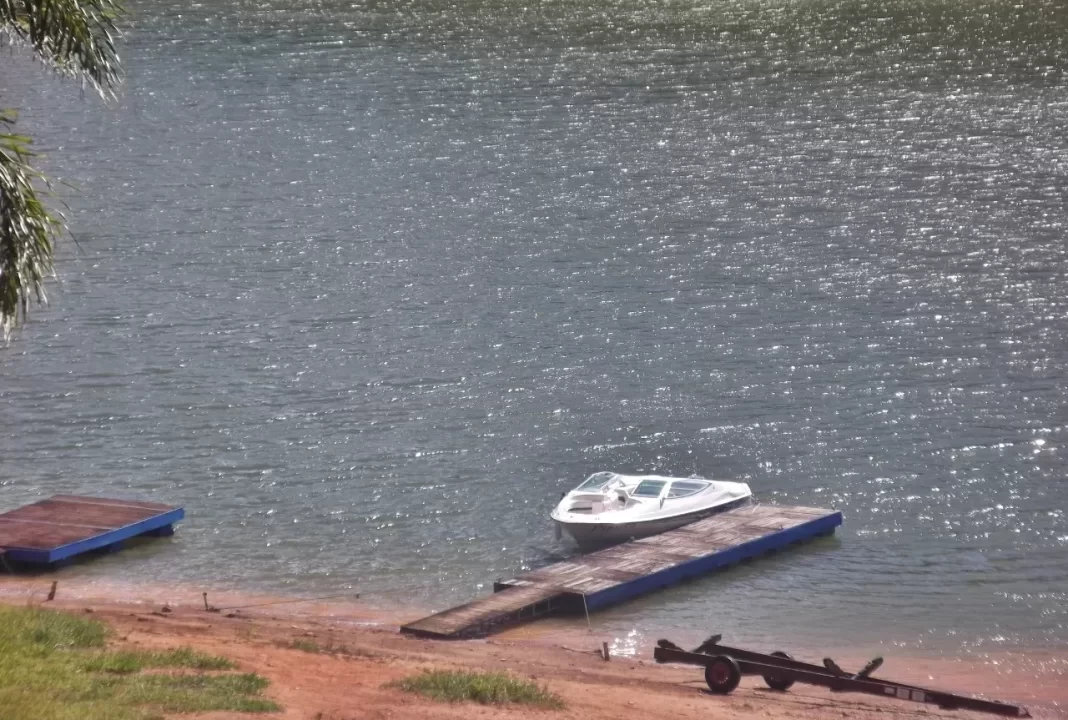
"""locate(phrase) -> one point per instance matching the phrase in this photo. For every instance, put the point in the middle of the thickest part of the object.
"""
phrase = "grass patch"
(45, 630)
(308, 646)
(200, 693)
(487, 688)
(55, 666)
(131, 661)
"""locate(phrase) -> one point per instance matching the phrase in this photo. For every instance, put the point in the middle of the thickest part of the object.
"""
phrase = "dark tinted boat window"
(682, 488)
(649, 488)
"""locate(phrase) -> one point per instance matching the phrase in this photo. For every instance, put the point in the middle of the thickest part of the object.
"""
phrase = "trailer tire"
(722, 674)
(778, 682)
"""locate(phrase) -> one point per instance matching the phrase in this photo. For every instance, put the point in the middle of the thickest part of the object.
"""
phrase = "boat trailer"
(724, 667)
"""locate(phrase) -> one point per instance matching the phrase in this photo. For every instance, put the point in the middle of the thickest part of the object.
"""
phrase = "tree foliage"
(75, 38)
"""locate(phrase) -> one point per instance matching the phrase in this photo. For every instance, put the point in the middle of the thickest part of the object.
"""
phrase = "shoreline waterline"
(365, 291)
(1037, 675)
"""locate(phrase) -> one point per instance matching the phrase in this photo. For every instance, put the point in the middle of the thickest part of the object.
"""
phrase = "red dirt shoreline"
(349, 683)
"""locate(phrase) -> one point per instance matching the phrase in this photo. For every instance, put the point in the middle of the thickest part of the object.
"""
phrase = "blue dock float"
(616, 574)
(51, 532)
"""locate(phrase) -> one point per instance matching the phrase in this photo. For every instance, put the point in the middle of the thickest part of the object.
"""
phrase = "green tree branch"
(75, 38)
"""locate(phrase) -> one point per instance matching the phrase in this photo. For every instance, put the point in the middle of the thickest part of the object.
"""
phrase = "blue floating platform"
(52, 531)
(616, 574)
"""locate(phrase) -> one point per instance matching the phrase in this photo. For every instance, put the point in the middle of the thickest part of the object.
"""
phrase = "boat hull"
(594, 536)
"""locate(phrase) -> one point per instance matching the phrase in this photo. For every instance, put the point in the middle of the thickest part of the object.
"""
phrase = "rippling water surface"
(366, 286)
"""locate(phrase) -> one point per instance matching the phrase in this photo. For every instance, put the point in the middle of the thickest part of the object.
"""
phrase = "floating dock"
(54, 531)
(591, 582)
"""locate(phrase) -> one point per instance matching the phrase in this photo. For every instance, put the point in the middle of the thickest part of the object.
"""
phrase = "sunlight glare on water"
(366, 286)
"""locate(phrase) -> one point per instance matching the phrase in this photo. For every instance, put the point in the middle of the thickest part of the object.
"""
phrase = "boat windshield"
(648, 488)
(682, 488)
(596, 481)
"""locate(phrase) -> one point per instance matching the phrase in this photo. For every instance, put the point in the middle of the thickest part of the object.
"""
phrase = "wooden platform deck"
(55, 530)
(606, 577)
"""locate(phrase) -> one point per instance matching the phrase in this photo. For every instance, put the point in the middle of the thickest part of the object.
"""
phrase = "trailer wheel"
(776, 681)
(722, 674)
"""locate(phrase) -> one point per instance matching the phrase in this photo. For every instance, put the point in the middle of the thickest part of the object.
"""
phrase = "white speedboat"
(609, 508)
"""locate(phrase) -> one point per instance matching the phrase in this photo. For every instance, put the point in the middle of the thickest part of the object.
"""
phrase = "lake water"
(366, 286)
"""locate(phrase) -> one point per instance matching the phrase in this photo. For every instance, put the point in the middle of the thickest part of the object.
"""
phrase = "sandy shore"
(348, 682)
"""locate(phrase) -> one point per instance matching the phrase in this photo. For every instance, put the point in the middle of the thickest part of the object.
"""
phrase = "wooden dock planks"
(619, 573)
(483, 616)
(711, 544)
(61, 527)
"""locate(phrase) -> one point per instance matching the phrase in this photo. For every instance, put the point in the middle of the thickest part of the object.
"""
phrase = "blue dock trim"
(585, 583)
(96, 542)
(53, 531)
(716, 561)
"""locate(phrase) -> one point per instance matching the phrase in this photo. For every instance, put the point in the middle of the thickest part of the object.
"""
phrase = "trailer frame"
(725, 665)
